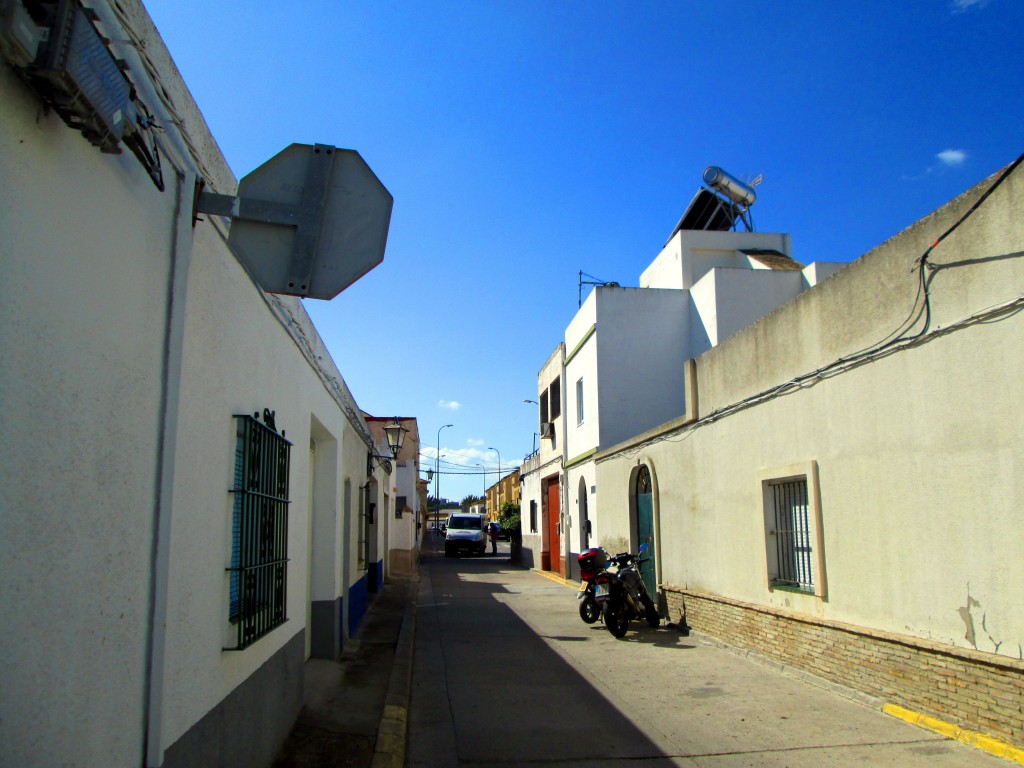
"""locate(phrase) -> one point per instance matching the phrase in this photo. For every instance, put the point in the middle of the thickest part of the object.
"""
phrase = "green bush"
(509, 521)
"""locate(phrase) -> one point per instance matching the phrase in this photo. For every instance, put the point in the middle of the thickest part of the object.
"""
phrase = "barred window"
(259, 532)
(792, 535)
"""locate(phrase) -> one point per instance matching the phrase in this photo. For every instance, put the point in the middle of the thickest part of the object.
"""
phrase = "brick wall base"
(975, 690)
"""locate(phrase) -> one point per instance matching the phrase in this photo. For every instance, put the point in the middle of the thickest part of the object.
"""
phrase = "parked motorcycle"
(622, 595)
(592, 563)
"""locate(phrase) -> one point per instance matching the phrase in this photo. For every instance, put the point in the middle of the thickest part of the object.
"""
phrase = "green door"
(645, 529)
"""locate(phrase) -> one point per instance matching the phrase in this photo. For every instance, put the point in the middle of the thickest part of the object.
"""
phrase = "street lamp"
(497, 491)
(437, 477)
(484, 471)
(395, 435)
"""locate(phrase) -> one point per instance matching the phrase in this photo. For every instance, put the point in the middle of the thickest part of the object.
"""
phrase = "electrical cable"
(891, 344)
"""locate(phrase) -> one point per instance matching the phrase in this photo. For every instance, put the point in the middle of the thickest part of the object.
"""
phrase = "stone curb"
(974, 739)
(389, 751)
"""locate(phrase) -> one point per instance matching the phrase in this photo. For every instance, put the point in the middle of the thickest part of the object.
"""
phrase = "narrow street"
(505, 672)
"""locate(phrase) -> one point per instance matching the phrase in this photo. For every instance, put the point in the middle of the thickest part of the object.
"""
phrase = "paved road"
(506, 673)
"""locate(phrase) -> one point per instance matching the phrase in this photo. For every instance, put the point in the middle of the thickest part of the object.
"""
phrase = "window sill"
(792, 588)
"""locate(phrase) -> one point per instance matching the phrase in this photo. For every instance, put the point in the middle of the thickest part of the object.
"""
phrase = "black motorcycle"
(592, 563)
(622, 595)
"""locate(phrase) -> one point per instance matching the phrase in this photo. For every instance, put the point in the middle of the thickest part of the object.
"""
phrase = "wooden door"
(554, 517)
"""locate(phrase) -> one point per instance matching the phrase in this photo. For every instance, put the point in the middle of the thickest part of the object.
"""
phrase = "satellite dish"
(308, 222)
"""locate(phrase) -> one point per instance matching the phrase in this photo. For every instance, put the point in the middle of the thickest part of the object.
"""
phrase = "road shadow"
(487, 686)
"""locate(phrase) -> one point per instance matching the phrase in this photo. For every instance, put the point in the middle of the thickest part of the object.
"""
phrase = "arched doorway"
(643, 494)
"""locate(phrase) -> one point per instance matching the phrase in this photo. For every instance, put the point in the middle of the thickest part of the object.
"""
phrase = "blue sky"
(526, 141)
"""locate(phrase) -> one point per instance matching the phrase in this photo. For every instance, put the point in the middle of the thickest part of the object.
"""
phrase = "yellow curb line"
(556, 577)
(390, 749)
(971, 738)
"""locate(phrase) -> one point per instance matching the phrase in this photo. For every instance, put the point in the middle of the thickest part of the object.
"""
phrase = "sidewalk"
(356, 708)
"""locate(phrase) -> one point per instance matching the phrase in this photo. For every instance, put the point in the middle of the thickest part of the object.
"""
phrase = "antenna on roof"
(592, 281)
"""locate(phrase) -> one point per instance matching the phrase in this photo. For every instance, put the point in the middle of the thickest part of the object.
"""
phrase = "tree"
(509, 521)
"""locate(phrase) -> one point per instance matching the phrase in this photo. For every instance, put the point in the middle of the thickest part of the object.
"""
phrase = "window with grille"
(793, 549)
(259, 532)
(793, 529)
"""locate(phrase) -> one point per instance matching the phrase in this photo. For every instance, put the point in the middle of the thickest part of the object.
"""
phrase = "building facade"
(628, 360)
(188, 509)
(541, 486)
(505, 491)
(843, 499)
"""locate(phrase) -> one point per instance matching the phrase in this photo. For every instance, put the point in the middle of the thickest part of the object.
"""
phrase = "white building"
(401, 512)
(627, 365)
(541, 487)
(157, 402)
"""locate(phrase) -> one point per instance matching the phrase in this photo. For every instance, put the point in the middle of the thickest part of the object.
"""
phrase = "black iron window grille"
(259, 532)
(792, 535)
(366, 510)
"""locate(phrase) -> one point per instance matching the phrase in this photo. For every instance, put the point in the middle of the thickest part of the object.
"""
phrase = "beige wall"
(917, 451)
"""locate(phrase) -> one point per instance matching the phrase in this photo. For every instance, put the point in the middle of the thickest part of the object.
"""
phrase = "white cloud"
(952, 157)
(472, 441)
(960, 6)
(947, 159)
(452, 405)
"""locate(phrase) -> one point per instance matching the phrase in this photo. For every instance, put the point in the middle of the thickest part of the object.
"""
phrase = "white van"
(467, 532)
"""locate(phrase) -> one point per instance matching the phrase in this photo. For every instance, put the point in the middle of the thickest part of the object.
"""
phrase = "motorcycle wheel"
(589, 611)
(651, 613)
(615, 619)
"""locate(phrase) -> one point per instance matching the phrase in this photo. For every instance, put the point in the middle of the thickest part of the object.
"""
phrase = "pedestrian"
(493, 530)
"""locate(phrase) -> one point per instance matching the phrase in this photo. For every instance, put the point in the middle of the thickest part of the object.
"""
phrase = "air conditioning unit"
(547, 429)
(20, 37)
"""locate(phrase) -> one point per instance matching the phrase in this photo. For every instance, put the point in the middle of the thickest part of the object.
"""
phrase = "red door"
(557, 562)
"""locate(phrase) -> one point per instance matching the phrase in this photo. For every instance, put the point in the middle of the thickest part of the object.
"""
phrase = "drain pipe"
(170, 395)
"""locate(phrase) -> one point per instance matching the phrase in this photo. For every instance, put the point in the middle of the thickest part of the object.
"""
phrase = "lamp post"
(437, 477)
(497, 490)
(484, 472)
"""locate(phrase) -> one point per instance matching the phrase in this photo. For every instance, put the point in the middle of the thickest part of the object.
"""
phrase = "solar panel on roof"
(707, 211)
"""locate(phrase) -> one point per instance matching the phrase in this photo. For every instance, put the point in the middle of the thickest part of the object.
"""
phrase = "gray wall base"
(325, 637)
(251, 724)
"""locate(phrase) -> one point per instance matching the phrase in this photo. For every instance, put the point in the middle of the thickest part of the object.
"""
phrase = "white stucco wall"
(727, 300)
(585, 436)
(402, 531)
(239, 359)
(83, 288)
(548, 449)
(87, 250)
(690, 254)
(642, 342)
(917, 451)
(820, 271)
